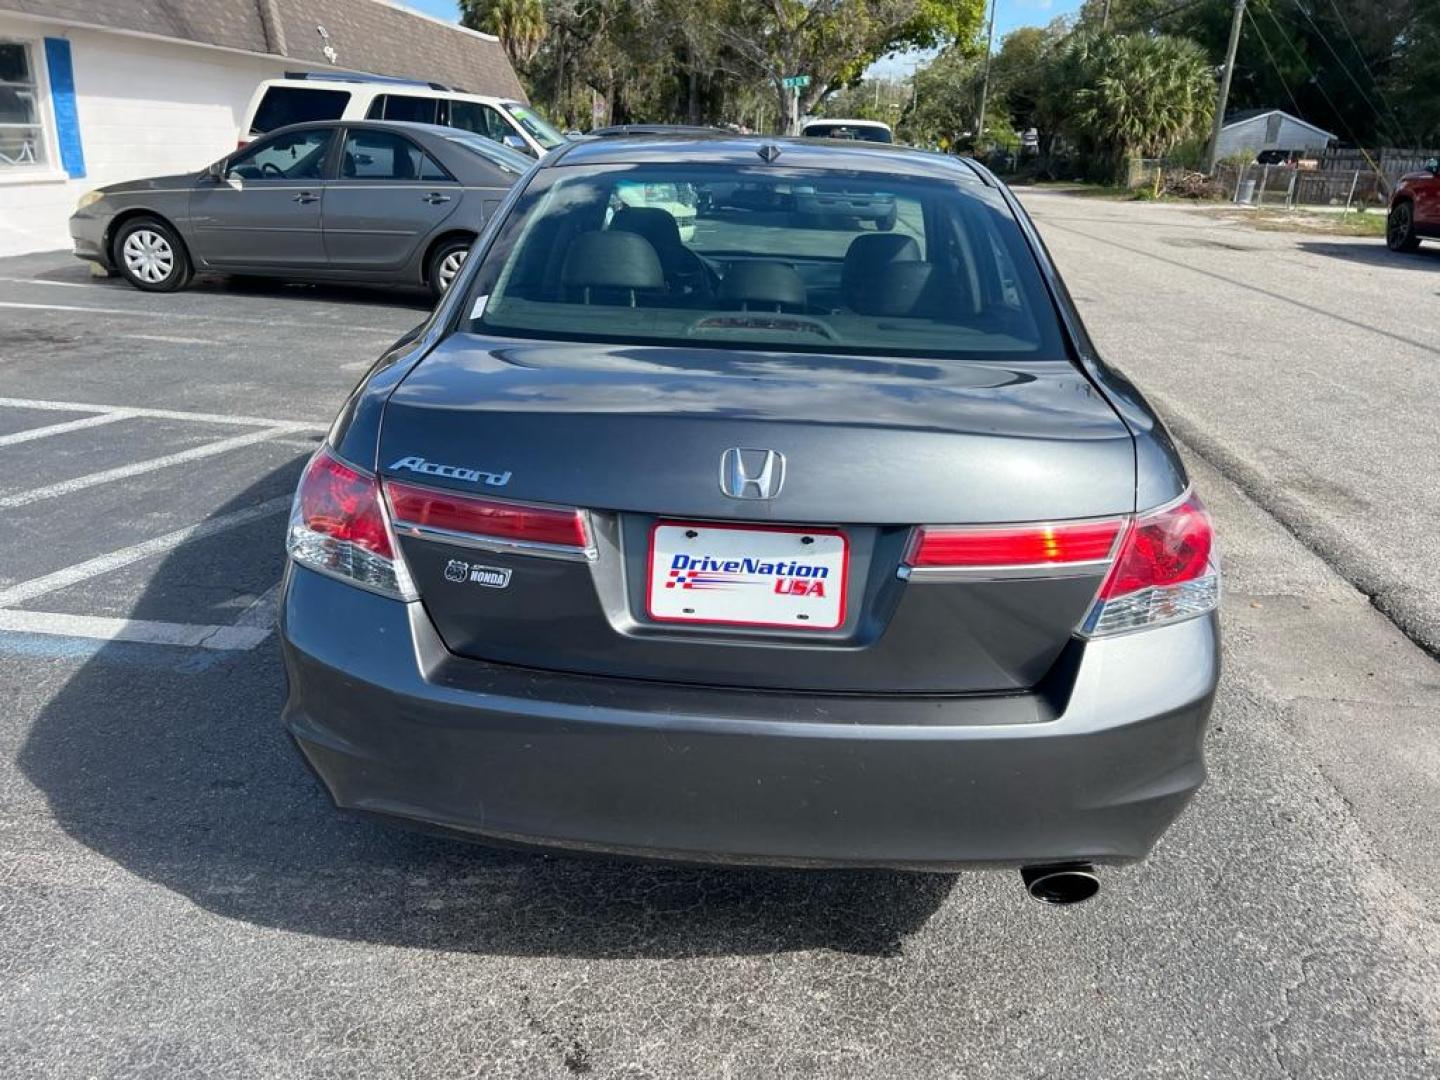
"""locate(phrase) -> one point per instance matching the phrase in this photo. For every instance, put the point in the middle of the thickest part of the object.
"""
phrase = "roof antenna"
(768, 153)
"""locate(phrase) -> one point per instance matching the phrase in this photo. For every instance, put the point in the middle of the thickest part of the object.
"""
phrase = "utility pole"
(985, 81)
(1224, 96)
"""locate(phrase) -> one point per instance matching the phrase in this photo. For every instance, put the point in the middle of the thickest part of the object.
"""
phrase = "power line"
(1374, 79)
(1343, 66)
(1279, 74)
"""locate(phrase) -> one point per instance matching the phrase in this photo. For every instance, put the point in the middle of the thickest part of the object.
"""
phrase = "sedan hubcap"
(149, 256)
(449, 267)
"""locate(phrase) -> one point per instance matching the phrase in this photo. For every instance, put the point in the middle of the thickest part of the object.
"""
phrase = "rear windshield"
(798, 260)
(862, 132)
(284, 105)
(502, 157)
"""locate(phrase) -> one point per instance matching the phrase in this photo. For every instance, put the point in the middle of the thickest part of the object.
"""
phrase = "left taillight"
(338, 526)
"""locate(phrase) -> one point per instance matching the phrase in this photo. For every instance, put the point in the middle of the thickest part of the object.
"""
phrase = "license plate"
(736, 575)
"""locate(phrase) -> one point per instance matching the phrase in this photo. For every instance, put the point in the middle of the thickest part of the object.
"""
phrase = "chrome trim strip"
(943, 574)
(496, 544)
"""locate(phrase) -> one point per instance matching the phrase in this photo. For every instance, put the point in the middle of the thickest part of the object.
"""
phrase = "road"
(178, 899)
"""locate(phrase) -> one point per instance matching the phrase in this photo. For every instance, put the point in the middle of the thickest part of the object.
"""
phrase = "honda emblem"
(751, 474)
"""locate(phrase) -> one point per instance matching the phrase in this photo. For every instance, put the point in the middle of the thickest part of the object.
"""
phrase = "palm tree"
(519, 24)
(1144, 94)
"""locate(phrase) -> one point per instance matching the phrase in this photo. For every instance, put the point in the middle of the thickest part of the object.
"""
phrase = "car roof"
(840, 155)
(388, 86)
(656, 129)
(846, 121)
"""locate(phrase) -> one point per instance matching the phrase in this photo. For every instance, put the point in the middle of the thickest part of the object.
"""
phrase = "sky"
(1009, 15)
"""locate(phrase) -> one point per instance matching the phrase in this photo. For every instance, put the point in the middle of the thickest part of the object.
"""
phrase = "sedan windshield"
(799, 260)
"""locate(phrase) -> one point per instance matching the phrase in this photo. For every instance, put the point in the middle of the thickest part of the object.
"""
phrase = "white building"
(1257, 130)
(97, 91)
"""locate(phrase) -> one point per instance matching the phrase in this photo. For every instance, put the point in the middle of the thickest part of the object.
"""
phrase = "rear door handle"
(435, 197)
(307, 197)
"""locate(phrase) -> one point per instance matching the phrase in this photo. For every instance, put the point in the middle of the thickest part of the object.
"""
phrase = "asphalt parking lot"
(178, 898)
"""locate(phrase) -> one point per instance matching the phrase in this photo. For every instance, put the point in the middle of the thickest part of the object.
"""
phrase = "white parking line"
(159, 414)
(248, 320)
(138, 468)
(40, 281)
(60, 429)
(143, 631)
(26, 591)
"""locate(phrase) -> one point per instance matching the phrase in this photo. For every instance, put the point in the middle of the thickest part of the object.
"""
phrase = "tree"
(519, 24)
(834, 41)
(1139, 95)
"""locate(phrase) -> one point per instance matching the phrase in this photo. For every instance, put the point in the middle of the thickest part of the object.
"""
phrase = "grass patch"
(1354, 223)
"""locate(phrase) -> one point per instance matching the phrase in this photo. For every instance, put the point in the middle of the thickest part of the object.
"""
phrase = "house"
(97, 91)
(1255, 130)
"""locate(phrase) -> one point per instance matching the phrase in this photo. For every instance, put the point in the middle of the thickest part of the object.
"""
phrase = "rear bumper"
(1095, 770)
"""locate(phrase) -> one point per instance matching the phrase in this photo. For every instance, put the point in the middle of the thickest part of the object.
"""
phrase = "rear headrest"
(868, 255)
(612, 260)
(768, 284)
(903, 288)
(656, 225)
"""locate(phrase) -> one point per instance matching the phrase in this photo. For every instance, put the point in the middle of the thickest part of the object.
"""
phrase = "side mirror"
(215, 171)
(515, 142)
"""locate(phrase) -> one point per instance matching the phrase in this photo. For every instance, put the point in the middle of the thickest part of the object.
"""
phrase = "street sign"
(795, 81)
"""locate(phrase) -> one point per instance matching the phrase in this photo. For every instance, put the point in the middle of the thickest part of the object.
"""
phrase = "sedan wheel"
(1400, 229)
(151, 256)
(448, 268)
(445, 264)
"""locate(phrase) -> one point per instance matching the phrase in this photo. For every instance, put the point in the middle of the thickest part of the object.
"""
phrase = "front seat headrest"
(656, 225)
(763, 284)
(868, 255)
(612, 260)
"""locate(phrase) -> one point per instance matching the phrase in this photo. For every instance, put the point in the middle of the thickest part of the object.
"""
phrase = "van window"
(481, 119)
(416, 110)
(284, 105)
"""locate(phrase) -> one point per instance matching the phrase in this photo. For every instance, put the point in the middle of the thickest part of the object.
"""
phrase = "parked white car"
(863, 130)
(304, 96)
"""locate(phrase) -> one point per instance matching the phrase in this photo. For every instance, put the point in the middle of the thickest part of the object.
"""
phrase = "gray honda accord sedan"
(786, 544)
(364, 201)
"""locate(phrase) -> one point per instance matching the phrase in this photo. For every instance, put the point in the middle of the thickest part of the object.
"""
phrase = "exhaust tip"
(1061, 884)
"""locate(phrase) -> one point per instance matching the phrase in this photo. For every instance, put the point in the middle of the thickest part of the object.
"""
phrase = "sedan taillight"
(1166, 571)
(338, 526)
(495, 523)
(1158, 567)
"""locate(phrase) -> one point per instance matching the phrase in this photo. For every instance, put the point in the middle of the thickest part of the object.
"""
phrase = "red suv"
(1414, 208)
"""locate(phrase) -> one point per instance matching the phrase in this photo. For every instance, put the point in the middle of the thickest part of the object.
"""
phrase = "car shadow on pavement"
(1427, 256)
(173, 764)
(75, 273)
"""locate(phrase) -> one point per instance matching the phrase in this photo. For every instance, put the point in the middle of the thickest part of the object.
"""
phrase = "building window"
(22, 139)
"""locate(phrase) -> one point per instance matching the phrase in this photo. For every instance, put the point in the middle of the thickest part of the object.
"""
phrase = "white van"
(325, 95)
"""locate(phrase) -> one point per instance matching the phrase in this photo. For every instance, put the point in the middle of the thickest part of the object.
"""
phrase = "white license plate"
(748, 575)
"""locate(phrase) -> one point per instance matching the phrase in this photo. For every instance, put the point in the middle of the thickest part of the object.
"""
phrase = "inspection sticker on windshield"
(748, 575)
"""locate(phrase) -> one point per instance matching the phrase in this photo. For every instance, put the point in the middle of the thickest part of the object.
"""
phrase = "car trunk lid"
(636, 436)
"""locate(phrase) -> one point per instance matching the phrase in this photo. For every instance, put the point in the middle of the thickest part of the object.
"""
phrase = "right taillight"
(1165, 571)
(338, 526)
